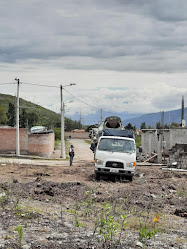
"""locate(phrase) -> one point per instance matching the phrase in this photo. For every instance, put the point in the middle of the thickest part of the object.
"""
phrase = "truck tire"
(130, 178)
(97, 177)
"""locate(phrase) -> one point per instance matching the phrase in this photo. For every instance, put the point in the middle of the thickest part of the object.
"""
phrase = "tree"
(11, 115)
(173, 125)
(3, 118)
(166, 126)
(158, 125)
(23, 119)
(129, 127)
(32, 119)
(143, 126)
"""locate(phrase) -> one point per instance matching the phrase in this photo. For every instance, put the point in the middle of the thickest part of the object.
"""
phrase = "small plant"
(145, 233)
(19, 229)
(25, 212)
(4, 195)
(3, 199)
(78, 223)
(107, 226)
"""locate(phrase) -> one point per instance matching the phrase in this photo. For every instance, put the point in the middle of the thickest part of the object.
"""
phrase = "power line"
(6, 83)
(81, 100)
(34, 84)
(50, 86)
(100, 108)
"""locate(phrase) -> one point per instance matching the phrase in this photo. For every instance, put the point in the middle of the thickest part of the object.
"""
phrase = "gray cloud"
(128, 35)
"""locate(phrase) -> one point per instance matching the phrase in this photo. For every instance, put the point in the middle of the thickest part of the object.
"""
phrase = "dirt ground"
(51, 205)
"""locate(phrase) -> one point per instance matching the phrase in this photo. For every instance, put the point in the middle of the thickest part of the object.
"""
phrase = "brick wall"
(41, 144)
(79, 135)
(8, 140)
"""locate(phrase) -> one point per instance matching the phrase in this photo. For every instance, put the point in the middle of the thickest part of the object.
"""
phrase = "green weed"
(19, 229)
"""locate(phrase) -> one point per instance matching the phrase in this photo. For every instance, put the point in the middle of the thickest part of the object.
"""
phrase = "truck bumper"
(119, 172)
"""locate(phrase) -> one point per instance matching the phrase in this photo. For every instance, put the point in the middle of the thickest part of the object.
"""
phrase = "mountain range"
(153, 118)
(136, 119)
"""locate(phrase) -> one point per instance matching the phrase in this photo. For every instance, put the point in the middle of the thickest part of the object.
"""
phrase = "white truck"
(115, 154)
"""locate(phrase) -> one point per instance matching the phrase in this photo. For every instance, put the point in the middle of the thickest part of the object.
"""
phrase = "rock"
(139, 244)
(181, 212)
(3, 194)
(172, 191)
(142, 180)
(15, 180)
(38, 185)
(26, 247)
(141, 175)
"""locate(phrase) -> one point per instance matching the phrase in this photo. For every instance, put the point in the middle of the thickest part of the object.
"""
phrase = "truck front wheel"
(97, 177)
(130, 178)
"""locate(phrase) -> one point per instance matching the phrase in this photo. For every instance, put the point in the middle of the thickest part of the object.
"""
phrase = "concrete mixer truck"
(116, 150)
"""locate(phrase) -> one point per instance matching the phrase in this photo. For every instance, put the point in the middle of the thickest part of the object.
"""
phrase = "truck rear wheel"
(97, 177)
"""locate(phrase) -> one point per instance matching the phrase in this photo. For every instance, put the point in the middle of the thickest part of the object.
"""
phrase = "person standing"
(94, 145)
(71, 154)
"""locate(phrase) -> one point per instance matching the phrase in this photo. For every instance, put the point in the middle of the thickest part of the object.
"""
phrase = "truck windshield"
(116, 145)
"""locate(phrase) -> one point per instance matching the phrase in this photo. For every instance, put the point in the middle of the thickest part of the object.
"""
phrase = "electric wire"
(34, 84)
(96, 108)
(81, 100)
(6, 83)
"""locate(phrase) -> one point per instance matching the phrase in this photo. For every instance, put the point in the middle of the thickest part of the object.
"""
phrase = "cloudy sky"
(123, 55)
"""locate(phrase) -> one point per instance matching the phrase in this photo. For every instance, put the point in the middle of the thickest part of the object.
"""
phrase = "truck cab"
(115, 155)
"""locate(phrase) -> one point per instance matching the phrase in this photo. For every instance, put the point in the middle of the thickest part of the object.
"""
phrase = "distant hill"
(152, 119)
(46, 117)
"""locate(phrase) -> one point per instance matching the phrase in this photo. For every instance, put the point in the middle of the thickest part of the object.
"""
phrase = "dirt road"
(82, 150)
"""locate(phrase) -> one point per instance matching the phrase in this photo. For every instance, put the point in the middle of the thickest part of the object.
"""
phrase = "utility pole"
(63, 154)
(80, 120)
(182, 114)
(17, 121)
(101, 116)
(169, 119)
(63, 150)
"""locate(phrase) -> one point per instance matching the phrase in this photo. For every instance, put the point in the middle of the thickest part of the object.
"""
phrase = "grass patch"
(57, 143)
(138, 140)
(88, 141)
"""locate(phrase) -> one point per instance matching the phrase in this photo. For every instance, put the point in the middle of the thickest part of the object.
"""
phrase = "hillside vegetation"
(43, 116)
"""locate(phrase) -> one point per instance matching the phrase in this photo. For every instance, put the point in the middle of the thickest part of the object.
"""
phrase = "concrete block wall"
(41, 144)
(149, 141)
(8, 140)
(178, 154)
(171, 136)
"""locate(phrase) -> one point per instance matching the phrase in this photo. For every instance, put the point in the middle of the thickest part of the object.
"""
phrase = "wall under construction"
(152, 139)
(178, 156)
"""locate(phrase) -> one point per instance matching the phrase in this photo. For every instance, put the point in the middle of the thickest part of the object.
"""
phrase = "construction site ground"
(48, 204)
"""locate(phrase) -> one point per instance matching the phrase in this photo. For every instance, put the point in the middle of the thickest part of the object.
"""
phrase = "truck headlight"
(131, 165)
(99, 162)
